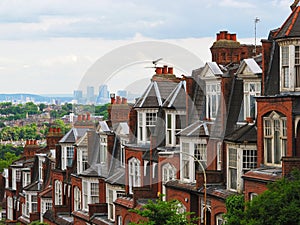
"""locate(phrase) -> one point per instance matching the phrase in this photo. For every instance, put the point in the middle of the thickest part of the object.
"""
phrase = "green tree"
(7, 161)
(63, 127)
(279, 205)
(161, 212)
(235, 206)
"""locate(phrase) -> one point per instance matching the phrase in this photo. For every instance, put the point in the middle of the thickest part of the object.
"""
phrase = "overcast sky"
(47, 46)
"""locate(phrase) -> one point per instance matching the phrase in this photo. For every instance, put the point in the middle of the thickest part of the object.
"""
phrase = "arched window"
(134, 173)
(275, 138)
(58, 192)
(77, 199)
(168, 173)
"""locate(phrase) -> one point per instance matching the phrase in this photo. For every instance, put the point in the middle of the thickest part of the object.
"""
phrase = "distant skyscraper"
(122, 93)
(90, 94)
(103, 95)
(77, 95)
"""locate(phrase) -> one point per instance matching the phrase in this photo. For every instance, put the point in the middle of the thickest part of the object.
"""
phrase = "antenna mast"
(256, 20)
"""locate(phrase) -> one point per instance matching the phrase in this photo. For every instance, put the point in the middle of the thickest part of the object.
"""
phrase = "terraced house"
(230, 127)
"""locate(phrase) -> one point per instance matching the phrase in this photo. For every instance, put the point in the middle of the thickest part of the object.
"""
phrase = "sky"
(48, 46)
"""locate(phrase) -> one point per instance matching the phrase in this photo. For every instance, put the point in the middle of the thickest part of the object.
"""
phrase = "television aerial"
(154, 62)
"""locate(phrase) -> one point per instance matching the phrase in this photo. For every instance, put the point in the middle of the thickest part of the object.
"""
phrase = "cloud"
(236, 4)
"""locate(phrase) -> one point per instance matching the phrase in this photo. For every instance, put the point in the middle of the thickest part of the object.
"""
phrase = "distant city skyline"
(47, 47)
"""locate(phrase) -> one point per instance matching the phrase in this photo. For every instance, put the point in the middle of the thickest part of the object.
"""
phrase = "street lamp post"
(203, 170)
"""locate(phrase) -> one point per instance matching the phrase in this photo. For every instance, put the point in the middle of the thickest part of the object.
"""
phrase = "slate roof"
(155, 94)
(291, 27)
(73, 135)
(264, 174)
(177, 98)
(252, 65)
(246, 133)
(196, 129)
(214, 68)
(118, 177)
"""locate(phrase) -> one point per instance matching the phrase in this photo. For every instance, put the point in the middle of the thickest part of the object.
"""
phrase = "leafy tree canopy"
(279, 205)
(161, 212)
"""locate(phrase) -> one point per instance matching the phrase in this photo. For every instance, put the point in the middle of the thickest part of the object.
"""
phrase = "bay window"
(90, 192)
(275, 138)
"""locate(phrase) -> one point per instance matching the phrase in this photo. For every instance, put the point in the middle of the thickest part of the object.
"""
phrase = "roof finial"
(294, 5)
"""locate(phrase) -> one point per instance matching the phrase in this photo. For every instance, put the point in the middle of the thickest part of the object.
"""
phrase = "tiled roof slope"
(156, 94)
(246, 133)
(291, 27)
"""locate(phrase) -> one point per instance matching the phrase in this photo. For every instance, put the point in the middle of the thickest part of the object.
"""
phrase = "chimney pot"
(170, 70)
(58, 130)
(79, 118)
(83, 117)
(158, 70)
(119, 101)
(50, 130)
(54, 129)
(27, 142)
(233, 37)
(124, 100)
(88, 116)
(165, 69)
(35, 142)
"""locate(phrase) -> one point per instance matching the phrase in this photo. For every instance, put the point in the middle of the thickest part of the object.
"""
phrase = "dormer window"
(146, 122)
(213, 91)
(251, 90)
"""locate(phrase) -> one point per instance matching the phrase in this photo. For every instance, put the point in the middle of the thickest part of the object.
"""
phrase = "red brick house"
(278, 108)
(29, 176)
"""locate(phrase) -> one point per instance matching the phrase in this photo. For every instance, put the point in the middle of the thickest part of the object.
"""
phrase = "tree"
(279, 205)
(161, 212)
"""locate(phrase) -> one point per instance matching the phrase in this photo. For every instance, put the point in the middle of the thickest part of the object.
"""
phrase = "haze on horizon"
(47, 46)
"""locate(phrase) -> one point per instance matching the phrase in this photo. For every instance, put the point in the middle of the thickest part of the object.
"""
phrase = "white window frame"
(232, 168)
(187, 158)
(103, 149)
(77, 198)
(134, 172)
(67, 154)
(219, 219)
(90, 192)
(246, 159)
(122, 152)
(168, 173)
(172, 128)
(289, 66)
(10, 208)
(275, 128)
(26, 178)
(82, 160)
(213, 93)
(58, 192)
(252, 89)
(146, 120)
(31, 203)
(120, 220)
(46, 204)
(219, 156)
(16, 177)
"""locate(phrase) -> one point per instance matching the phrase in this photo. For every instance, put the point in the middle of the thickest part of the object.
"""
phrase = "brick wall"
(289, 164)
